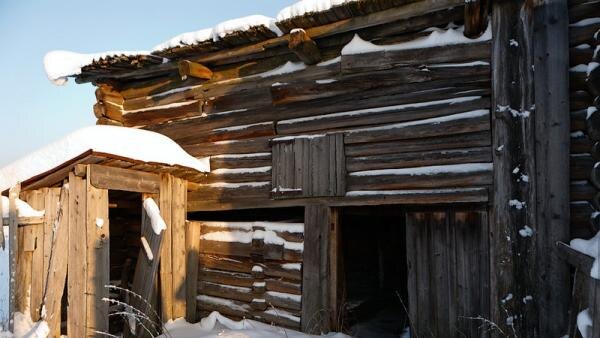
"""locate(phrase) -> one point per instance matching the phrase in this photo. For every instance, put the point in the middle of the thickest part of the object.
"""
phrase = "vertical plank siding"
(448, 270)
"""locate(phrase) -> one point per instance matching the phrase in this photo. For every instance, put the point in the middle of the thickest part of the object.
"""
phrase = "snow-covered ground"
(217, 325)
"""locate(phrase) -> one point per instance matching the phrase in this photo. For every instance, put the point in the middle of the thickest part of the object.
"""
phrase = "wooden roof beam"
(304, 47)
(193, 69)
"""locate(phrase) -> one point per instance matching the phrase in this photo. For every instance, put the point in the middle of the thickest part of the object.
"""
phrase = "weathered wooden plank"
(166, 265)
(240, 161)
(161, 113)
(105, 177)
(192, 240)
(419, 178)
(57, 265)
(419, 159)
(178, 249)
(13, 249)
(247, 146)
(36, 235)
(98, 258)
(315, 274)
(77, 258)
(454, 124)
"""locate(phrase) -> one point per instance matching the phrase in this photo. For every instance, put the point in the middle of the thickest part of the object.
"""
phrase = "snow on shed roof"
(135, 144)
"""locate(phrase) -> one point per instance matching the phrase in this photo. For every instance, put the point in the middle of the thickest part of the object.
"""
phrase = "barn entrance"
(373, 259)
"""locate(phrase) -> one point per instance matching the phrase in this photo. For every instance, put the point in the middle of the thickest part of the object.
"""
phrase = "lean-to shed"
(417, 158)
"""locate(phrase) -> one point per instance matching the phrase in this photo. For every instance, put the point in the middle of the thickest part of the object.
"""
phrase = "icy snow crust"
(217, 325)
(303, 7)
(60, 64)
(136, 144)
(23, 209)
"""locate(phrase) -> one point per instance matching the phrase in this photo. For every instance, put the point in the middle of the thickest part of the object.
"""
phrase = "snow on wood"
(252, 155)
(242, 127)
(225, 171)
(23, 209)
(584, 323)
(325, 81)
(585, 22)
(437, 37)
(463, 64)
(24, 327)
(217, 325)
(288, 67)
(186, 39)
(296, 298)
(358, 193)
(435, 120)
(427, 171)
(135, 144)
(579, 68)
(380, 110)
(223, 302)
(303, 7)
(590, 247)
(292, 266)
(156, 220)
(330, 62)
(60, 64)
(226, 185)
(164, 106)
(234, 236)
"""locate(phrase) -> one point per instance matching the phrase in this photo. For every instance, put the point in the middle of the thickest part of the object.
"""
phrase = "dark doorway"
(373, 252)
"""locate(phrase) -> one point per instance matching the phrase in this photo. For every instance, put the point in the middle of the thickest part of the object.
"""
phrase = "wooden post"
(178, 242)
(13, 194)
(76, 260)
(315, 274)
(34, 240)
(552, 136)
(335, 269)
(192, 244)
(514, 194)
(98, 258)
(166, 274)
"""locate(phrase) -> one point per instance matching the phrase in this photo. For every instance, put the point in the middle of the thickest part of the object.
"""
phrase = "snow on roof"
(60, 64)
(135, 144)
(219, 31)
(437, 37)
(303, 7)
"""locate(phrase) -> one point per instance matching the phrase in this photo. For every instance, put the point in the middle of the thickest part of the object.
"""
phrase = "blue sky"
(33, 112)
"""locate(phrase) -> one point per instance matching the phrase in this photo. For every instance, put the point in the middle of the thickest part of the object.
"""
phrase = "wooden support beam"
(315, 272)
(192, 240)
(76, 260)
(105, 177)
(178, 242)
(476, 17)
(513, 274)
(304, 47)
(188, 68)
(552, 136)
(98, 257)
(166, 267)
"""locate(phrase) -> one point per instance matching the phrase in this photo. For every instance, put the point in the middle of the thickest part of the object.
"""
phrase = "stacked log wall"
(251, 270)
(411, 119)
(584, 18)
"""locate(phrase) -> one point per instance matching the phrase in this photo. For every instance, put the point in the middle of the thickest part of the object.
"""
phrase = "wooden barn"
(373, 163)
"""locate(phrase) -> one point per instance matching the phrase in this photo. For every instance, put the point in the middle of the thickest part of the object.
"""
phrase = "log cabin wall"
(585, 149)
(416, 118)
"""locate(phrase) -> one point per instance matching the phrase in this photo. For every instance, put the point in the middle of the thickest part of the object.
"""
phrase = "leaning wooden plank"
(57, 267)
(472, 121)
(105, 177)
(77, 258)
(147, 264)
(98, 257)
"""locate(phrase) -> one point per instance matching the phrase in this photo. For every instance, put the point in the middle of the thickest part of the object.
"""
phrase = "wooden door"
(448, 273)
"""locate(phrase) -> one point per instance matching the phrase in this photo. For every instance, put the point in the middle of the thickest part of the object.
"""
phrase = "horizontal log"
(593, 80)
(160, 114)
(222, 191)
(583, 34)
(283, 300)
(108, 111)
(580, 143)
(231, 133)
(225, 306)
(581, 217)
(382, 115)
(477, 139)
(458, 53)
(580, 55)
(225, 248)
(577, 80)
(463, 175)
(578, 119)
(240, 161)
(419, 159)
(246, 146)
(188, 68)
(448, 125)
(582, 190)
(581, 166)
(105, 177)
(224, 277)
(280, 285)
(304, 47)
(580, 99)
(238, 175)
(24, 221)
(244, 265)
(585, 10)
(578, 260)
(228, 292)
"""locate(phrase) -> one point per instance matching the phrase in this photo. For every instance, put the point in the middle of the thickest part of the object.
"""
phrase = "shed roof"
(121, 147)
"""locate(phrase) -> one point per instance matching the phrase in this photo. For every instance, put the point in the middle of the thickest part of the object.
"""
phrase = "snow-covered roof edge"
(135, 144)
